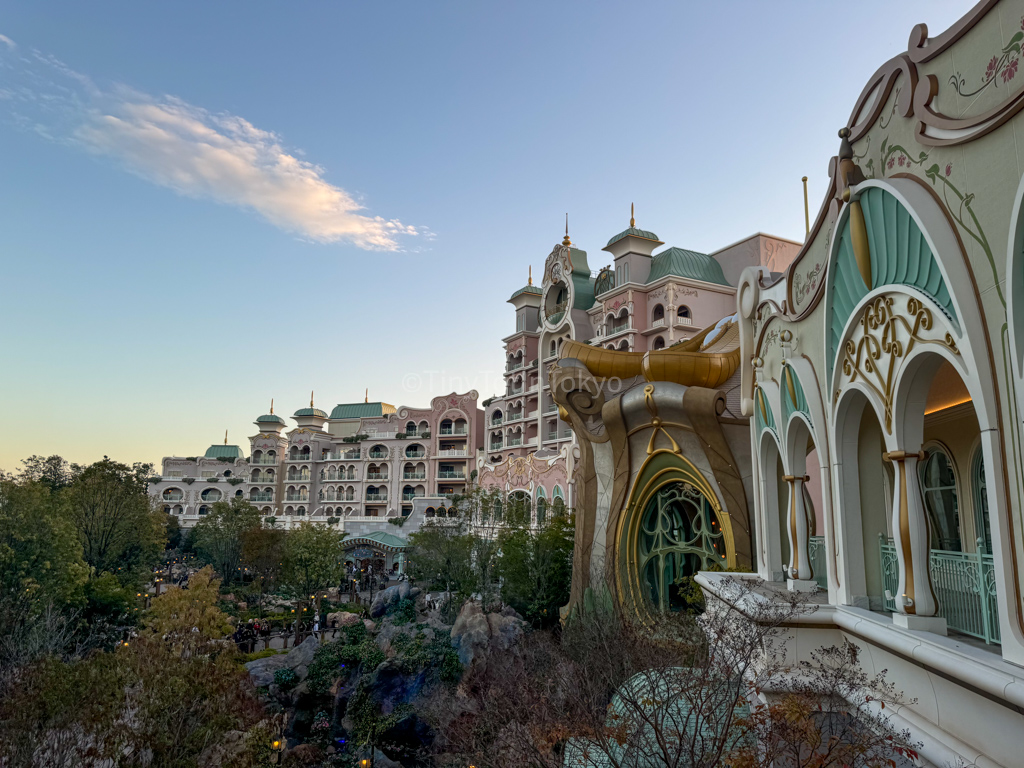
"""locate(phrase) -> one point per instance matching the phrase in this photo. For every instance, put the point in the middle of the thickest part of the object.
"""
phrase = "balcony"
(298, 478)
(331, 457)
(514, 417)
(332, 497)
(620, 328)
(411, 496)
(514, 391)
(659, 323)
(382, 436)
(378, 454)
(512, 442)
(296, 497)
(514, 366)
(550, 407)
(496, 422)
(682, 322)
(332, 477)
(268, 461)
(414, 476)
(261, 479)
(496, 446)
(454, 431)
(261, 497)
(173, 497)
(964, 583)
(450, 474)
(453, 452)
(302, 457)
(557, 312)
(415, 454)
(376, 476)
(352, 455)
(376, 497)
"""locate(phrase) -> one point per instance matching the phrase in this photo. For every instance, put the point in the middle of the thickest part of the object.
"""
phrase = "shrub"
(341, 657)
(236, 480)
(188, 480)
(245, 658)
(403, 611)
(286, 679)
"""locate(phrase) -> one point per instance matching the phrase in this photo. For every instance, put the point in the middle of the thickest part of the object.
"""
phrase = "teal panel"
(791, 405)
(900, 255)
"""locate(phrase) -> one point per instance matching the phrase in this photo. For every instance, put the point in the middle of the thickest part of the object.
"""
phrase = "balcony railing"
(514, 417)
(557, 311)
(350, 455)
(684, 321)
(450, 474)
(496, 422)
(415, 455)
(658, 322)
(514, 366)
(301, 457)
(816, 556)
(514, 391)
(382, 436)
(619, 328)
(411, 496)
(174, 497)
(376, 476)
(414, 476)
(452, 452)
(378, 454)
(261, 497)
(453, 431)
(513, 441)
(332, 477)
(265, 460)
(298, 478)
(550, 407)
(331, 457)
(332, 497)
(964, 583)
(296, 497)
(375, 497)
(263, 479)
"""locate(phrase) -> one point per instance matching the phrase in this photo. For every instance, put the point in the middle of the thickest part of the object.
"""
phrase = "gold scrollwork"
(874, 358)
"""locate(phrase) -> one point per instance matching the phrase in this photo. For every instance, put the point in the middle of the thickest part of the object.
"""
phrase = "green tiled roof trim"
(526, 289)
(357, 410)
(635, 233)
(311, 412)
(689, 264)
(582, 284)
(380, 537)
(270, 417)
(224, 452)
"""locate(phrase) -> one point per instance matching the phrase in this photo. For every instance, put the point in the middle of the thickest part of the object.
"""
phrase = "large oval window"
(679, 535)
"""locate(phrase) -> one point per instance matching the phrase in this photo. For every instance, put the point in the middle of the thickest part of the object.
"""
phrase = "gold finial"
(565, 240)
(632, 219)
(311, 398)
(530, 281)
(271, 406)
(366, 397)
(225, 437)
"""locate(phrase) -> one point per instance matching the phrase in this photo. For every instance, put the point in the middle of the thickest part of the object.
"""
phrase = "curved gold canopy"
(683, 364)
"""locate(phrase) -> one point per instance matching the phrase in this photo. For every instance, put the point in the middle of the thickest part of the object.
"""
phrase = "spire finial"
(366, 397)
(225, 437)
(632, 220)
(530, 281)
(311, 398)
(271, 406)
(565, 240)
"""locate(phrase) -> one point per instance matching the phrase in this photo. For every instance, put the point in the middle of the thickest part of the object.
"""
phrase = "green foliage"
(399, 521)
(437, 658)
(218, 537)
(213, 479)
(341, 658)
(236, 480)
(188, 480)
(535, 567)
(173, 531)
(402, 612)
(245, 658)
(312, 560)
(286, 679)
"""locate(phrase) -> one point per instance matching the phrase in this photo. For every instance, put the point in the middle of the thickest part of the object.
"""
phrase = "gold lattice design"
(888, 337)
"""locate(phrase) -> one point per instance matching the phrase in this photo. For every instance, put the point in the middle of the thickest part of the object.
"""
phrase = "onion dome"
(270, 418)
(311, 411)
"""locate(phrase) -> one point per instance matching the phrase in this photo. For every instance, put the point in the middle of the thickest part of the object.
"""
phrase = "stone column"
(800, 576)
(911, 532)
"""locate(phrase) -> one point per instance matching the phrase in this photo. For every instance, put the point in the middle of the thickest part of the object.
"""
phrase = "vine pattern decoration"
(1002, 66)
(874, 359)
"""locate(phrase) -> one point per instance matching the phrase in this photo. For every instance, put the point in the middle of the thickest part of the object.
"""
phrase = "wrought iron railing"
(964, 584)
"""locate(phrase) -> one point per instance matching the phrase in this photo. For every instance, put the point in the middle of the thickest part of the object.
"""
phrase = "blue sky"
(206, 205)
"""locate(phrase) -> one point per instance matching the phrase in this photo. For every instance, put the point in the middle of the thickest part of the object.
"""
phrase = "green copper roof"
(690, 264)
(381, 537)
(311, 412)
(270, 417)
(526, 289)
(224, 452)
(357, 410)
(635, 233)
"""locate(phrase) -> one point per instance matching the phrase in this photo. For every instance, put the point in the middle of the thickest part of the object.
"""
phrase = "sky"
(204, 206)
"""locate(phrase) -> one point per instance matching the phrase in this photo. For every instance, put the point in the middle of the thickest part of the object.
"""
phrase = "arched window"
(542, 507)
(173, 494)
(415, 451)
(659, 343)
(429, 512)
(211, 494)
(683, 312)
(410, 428)
(658, 313)
(203, 509)
(938, 483)
(982, 525)
(498, 510)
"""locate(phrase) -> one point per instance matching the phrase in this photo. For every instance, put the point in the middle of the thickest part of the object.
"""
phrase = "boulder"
(370, 625)
(344, 619)
(476, 634)
(297, 659)
(391, 596)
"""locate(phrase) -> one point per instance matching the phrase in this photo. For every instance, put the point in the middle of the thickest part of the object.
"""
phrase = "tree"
(188, 620)
(312, 563)
(55, 472)
(535, 566)
(109, 505)
(263, 555)
(441, 555)
(218, 536)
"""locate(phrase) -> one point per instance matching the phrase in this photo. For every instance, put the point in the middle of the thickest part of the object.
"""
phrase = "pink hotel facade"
(643, 299)
(366, 462)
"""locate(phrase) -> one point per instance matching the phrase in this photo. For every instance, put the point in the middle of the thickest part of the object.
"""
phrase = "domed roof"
(527, 289)
(224, 452)
(633, 232)
(270, 418)
(310, 412)
(689, 264)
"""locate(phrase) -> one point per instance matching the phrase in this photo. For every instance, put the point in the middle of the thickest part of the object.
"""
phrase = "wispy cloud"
(217, 156)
